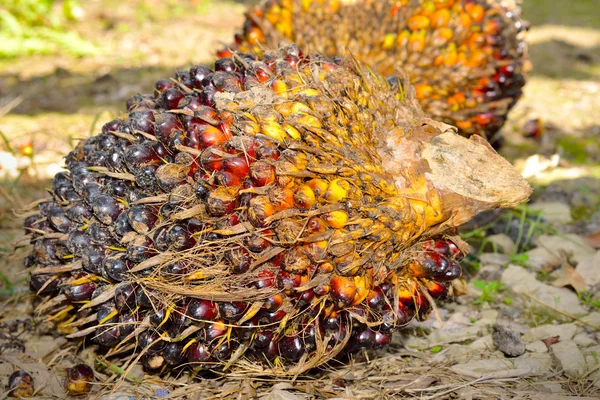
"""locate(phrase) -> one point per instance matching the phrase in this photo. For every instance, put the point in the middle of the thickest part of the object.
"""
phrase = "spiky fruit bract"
(274, 222)
(466, 58)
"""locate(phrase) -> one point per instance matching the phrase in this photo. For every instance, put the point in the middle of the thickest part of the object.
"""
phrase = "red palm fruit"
(198, 353)
(305, 298)
(273, 302)
(266, 278)
(237, 165)
(437, 290)
(362, 339)
(291, 347)
(108, 334)
(382, 339)
(267, 318)
(202, 310)
(232, 311)
(323, 289)
(376, 299)
(220, 202)
(227, 179)
(343, 290)
(267, 151)
(257, 243)
(226, 123)
(80, 292)
(333, 321)
(211, 162)
(211, 136)
(169, 99)
(287, 280)
(162, 84)
(263, 338)
(20, 384)
(222, 351)
(125, 297)
(239, 259)
(138, 156)
(79, 379)
(151, 342)
(215, 331)
(247, 330)
(262, 173)
(453, 249)
(271, 351)
(173, 353)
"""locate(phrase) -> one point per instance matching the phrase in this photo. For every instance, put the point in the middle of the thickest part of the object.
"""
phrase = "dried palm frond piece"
(265, 216)
(465, 58)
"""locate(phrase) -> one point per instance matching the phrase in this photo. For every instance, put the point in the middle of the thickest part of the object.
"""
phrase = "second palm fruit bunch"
(466, 58)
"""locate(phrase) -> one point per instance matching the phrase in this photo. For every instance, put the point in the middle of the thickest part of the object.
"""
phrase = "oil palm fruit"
(287, 210)
(464, 57)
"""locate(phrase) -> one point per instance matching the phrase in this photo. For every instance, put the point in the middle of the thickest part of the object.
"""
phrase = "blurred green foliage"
(40, 27)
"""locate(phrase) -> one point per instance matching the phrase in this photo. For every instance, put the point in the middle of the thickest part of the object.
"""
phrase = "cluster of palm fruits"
(275, 211)
(465, 57)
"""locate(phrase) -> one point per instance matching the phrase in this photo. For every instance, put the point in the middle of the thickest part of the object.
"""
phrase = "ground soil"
(50, 102)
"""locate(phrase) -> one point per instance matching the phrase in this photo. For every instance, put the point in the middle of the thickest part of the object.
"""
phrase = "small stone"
(541, 258)
(536, 347)
(456, 335)
(520, 280)
(117, 396)
(489, 272)
(488, 317)
(497, 259)
(503, 242)
(549, 387)
(583, 340)
(483, 343)
(508, 341)
(523, 282)
(593, 363)
(511, 311)
(490, 368)
(592, 319)
(589, 269)
(570, 358)
(456, 354)
(573, 246)
(554, 212)
(564, 332)
(281, 395)
(594, 350)
(535, 362)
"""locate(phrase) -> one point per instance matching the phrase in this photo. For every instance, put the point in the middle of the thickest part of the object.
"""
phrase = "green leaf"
(479, 284)
(7, 143)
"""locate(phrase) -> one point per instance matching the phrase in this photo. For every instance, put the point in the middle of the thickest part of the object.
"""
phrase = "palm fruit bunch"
(464, 57)
(271, 212)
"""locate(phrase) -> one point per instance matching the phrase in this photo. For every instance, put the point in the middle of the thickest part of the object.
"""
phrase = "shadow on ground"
(559, 59)
(66, 92)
